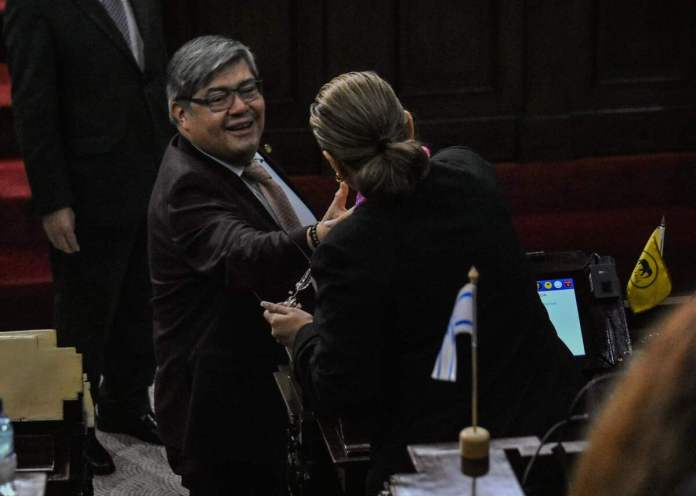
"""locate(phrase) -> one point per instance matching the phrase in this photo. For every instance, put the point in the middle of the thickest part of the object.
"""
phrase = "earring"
(339, 178)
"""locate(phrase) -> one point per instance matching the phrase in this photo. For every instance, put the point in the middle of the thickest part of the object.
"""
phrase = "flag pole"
(473, 279)
(662, 236)
(474, 441)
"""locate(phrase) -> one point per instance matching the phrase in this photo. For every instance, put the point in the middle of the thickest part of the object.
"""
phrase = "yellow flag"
(650, 282)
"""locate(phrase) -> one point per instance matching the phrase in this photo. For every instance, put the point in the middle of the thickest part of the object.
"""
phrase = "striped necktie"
(117, 12)
(274, 194)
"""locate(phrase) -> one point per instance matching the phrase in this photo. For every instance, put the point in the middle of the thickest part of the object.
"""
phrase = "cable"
(562, 423)
(594, 258)
(590, 384)
(568, 420)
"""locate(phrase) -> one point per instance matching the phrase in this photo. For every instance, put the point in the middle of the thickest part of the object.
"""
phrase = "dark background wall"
(516, 80)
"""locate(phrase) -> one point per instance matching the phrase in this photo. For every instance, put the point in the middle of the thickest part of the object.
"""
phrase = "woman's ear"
(335, 164)
(410, 124)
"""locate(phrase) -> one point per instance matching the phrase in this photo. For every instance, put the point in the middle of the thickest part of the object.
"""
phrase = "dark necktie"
(117, 13)
(274, 194)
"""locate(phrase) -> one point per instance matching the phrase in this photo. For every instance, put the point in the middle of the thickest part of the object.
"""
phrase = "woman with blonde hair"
(387, 277)
(643, 442)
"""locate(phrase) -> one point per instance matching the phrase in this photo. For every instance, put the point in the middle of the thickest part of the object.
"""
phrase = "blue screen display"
(558, 296)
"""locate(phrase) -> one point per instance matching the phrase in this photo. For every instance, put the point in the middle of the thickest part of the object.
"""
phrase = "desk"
(30, 484)
(438, 471)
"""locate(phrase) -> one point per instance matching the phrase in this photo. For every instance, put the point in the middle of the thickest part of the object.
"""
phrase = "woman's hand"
(285, 321)
(338, 205)
(336, 212)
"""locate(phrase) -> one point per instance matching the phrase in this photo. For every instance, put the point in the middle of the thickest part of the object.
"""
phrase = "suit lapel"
(249, 198)
(227, 176)
(96, 13)
(245, 193)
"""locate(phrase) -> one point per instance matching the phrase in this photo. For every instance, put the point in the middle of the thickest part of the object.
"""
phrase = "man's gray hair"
(197, 63)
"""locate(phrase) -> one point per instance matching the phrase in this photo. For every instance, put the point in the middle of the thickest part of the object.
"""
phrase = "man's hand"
(285, 321)
(60, 229)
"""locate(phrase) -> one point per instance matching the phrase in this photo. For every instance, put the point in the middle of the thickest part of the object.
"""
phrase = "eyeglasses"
(222, 99)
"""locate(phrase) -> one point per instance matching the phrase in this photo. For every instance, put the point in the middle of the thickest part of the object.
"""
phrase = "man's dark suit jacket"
(91, 124)
(387, 278)
(215, 252)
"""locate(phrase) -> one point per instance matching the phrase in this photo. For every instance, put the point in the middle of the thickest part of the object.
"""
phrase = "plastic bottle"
(8, 459)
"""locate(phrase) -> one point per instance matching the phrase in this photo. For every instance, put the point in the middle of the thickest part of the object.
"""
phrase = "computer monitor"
(588, 318)
(561, 302)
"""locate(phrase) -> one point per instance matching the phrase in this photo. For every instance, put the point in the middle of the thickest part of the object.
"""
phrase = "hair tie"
(382, 144)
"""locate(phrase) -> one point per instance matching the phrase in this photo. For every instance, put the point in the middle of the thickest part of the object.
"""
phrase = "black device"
(582, 295)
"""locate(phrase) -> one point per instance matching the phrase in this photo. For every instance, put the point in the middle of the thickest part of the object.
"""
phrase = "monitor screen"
(559, 298)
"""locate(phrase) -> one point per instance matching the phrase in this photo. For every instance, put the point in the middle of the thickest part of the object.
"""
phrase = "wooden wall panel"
(609, 78)
(654, 46)
(360, 35)
(445, 55)
(513, 80)
(460, 73)
(178, 25)
(635, 53)
(640, 91)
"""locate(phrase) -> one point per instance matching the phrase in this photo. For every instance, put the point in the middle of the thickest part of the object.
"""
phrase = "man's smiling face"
(234, 134)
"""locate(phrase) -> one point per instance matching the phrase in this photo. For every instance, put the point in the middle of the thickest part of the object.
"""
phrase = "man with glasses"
(89, 107)
(226, 230)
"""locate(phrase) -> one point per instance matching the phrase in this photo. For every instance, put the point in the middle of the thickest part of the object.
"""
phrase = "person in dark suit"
(387, 279)
(90, 112)
(226, 229)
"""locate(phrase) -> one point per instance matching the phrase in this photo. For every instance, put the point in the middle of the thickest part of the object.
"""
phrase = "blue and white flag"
(463, 319)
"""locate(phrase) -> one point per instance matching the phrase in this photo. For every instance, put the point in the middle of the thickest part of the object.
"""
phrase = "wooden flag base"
(474, 444)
